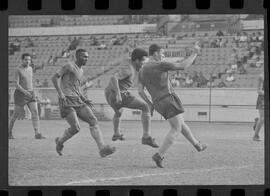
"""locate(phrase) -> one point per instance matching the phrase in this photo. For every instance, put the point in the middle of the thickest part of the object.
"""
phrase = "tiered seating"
(74, 20)
(99, 60)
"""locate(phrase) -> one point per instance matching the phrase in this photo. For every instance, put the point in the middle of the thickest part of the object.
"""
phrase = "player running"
(155, 78)
(260, 108)
(73, 104)
(24, 95)
(118, 96)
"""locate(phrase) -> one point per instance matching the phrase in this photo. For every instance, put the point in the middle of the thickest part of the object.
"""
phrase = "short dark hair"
(24, 55)
(154, 48)
(138, 53)
(78, 51)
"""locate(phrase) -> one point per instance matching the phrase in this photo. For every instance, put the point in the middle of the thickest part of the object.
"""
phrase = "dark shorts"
(126, 96)
(20, 99)
(260, 102)
(169, 106)
(73, 104)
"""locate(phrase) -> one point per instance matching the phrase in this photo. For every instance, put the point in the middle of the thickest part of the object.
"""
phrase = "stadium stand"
(105, 50)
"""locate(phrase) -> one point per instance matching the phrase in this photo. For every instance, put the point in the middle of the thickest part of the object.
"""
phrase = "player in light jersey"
(259, 107)
(155, 78)
(74, 105)
(24, 95)
(118, 96)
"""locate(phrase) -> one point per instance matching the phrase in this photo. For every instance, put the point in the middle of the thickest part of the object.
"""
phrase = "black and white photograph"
(136, 100)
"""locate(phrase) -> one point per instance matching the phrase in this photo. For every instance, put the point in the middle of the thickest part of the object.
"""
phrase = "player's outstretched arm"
(189, 60)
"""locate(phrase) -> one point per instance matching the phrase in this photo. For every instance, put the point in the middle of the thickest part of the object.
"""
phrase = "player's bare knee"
(93, 122)
(117, 114)
(145, 108)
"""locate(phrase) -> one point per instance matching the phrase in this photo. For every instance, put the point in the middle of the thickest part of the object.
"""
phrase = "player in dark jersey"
(260, 108)
(74, 105)
(118, 96)
(155, 78)
(25, 95)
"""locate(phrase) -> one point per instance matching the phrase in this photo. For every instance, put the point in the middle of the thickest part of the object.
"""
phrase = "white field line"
(190, 171)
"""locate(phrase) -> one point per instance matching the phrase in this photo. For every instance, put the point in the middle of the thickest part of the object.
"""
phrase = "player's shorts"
(126, 96)
(260, 102)
(21, 99)
(169, 105)
(73, 104)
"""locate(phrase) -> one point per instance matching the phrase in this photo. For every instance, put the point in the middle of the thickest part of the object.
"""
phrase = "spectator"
(254, 38)
(230, 77)
(202, 81)
(174, 82)
(243, 37)
(178, 76)
(37, 83)
(210, 82)
(195, 76)
(219, 33)
(50, 61)
(17, 44)
(29, 43)
(65, 54)
(33, 54)
(222, 83)
(259, 62)
(102, 46)
(45, 83)
(189, 81)
(234, 67)
(260, 37)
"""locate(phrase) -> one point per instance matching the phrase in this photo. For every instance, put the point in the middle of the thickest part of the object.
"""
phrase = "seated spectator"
(230, 77)
(259, 62)
(29, 43)
(234, 67)
(219, 33)
(222, 84)
(102, 46)
(45, 83)
(242, 70)
(210, 82)
(243, 37)
(33, 54)
(50, 61)
(254, 38)
(15, 46)
(37, 84)
(65, 54)
(223, 43)
(202, 81)
(178, 75)
(189, 81)
(260, 36)
(195, 76)
(174, 82)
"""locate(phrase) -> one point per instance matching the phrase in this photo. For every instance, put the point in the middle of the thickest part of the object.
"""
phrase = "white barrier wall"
(225, 105)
